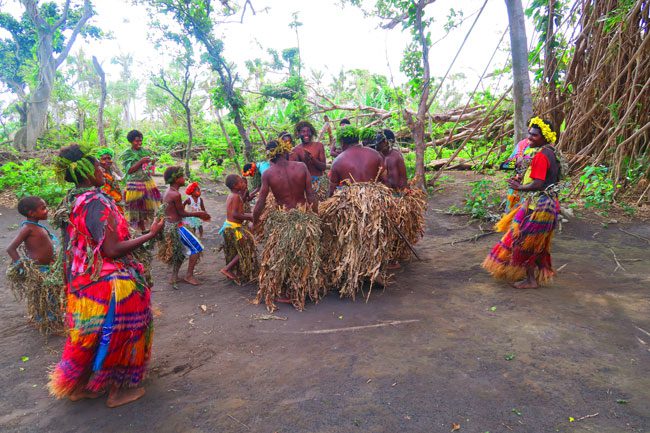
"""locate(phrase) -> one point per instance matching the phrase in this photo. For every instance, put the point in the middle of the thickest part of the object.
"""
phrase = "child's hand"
(203, 215)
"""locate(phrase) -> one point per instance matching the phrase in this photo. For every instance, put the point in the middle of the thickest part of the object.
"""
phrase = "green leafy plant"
(30, 177)
(483, 201)
(598, 189)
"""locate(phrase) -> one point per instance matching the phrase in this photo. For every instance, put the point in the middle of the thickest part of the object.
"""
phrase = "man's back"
(288, 183)
(356, 163)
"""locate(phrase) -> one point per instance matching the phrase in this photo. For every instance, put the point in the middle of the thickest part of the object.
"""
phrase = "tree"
(521, 82)
(102, 101)
(42, 28)
(196, 19)
(181, 92)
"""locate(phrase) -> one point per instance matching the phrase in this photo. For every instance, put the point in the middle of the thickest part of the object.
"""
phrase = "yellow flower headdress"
(281, 148)
(547, 132)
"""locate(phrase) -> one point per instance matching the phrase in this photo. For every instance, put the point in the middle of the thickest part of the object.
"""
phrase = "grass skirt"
(171, 250)
(269, 207)
(142, 199)
(248, 266)
(359, 236)
(527, 241)
(411, 206)
(126, 341)
(43, 289)
(291, 260)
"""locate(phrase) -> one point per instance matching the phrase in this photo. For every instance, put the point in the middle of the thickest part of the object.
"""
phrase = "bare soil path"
(443, 344)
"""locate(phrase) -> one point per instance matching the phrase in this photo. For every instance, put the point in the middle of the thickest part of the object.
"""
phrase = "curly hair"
(303, 124)
(133, 134)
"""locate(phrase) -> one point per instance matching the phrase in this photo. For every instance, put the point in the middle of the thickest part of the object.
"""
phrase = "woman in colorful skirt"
(524, 252)
(142, 196)
(108, 312)
(111, 185)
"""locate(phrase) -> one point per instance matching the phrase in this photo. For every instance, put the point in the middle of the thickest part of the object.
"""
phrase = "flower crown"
(547, 132)
(281, 148)
(251, 171)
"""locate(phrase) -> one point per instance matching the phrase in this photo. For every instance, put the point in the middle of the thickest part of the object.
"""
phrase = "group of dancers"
(105, 267)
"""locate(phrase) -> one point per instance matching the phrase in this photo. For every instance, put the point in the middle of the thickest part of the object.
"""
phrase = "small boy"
(27, 274)
(195, 204)
(179, 242)
(239, 245)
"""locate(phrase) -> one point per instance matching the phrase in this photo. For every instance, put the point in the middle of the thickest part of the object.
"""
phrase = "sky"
(332, 37)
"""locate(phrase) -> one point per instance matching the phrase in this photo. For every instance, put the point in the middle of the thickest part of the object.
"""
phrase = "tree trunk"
(418, 124)
(188, 148)
(231, 147)
(550, 67)
(521, 81)
(102, 102)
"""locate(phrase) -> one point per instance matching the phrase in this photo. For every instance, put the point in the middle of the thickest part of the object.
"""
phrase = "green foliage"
(598, 188)
(30, 177)
(484, 200)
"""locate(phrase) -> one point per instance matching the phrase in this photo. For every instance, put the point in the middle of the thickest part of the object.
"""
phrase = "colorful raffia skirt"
(527, 242)
(110, 330)
(142, 200)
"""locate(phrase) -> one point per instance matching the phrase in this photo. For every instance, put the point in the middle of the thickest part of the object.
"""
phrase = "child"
(28, 274)
(195, 204)
(239, 246)
(179, 242)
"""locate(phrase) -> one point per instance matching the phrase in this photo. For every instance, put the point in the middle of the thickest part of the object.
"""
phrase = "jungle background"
(585, 67)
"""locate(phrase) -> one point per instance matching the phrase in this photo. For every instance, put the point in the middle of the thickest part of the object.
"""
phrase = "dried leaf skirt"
(411, 205)
(527, 241)
(291, 260)
(239, 241)
(359, 236)
(44, 292)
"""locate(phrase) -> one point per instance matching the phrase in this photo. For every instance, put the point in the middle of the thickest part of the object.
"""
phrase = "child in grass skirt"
(194, 203)
(239, 245)
(31, 275)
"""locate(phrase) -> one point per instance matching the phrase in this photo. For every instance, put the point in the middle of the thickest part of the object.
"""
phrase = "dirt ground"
(443, 344)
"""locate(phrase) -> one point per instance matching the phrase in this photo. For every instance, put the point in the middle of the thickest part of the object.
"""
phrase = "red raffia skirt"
(527, 241)
(142, 199)
(109, 338)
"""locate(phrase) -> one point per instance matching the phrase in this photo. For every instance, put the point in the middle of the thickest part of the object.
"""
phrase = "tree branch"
(398, 20)
(88, 12)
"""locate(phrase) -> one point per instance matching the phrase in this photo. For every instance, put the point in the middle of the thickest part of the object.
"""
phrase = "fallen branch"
(472, 238)
(635, 235)
(588, 416)
(618, 264)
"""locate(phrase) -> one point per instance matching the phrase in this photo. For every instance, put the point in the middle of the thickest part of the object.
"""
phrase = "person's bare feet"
(121, 397)
(228, 274)
(393, 266)
(191, 280)
(283, 300)
(525, 284)
(83, 394)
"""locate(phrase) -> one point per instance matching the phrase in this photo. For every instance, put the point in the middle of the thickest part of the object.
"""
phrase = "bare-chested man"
(312, 153)
(393, 160)
(289, 181)
(178, 239)
(356, 163)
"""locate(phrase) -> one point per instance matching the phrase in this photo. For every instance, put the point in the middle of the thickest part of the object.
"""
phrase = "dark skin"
(356, 164)
(174, 213)
(113, 247)
(290, 183)
(38, 244)
(395, 166)
(136, 144)
(235, 213)
(312, 153)
(196, 194)
(536, 139)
